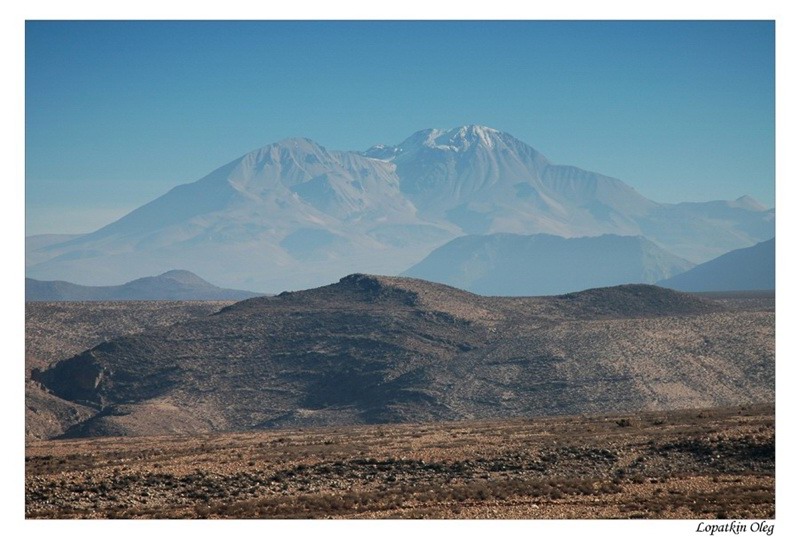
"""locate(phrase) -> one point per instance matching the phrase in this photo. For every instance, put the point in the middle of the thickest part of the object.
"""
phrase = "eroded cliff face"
(76, 379)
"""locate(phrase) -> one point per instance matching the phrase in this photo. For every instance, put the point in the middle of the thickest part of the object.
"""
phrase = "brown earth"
(598, 463)
(374, 349)
(712, 463)
(58, 330)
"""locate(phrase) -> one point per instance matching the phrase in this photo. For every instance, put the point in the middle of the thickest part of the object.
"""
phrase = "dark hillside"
(374, 349)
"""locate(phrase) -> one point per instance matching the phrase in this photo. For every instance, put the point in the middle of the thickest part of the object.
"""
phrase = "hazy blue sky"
(119, 112)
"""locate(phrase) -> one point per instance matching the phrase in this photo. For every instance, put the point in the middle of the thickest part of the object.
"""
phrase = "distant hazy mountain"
(37, 246)
(172, 285)
(740, 270)
(505, 264)
(294, 214)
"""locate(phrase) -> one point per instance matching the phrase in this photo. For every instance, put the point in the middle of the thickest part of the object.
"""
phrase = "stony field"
(678, 464)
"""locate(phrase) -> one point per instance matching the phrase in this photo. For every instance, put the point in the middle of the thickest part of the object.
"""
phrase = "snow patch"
(462, 138)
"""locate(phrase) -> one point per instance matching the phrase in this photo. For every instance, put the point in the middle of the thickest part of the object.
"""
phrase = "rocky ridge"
(373, 349)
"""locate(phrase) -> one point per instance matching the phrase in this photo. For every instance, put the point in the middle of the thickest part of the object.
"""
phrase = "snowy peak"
(463, 138)
(294, 214)
(442, 171)
(456, 140)
(459, 139)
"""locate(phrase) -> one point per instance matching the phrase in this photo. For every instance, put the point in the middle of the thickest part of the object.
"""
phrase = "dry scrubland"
(677, 464)
(373, 349)
(58, 330)
(418, 353)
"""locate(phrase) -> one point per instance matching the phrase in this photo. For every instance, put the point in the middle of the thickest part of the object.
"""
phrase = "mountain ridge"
(293, 214)
(509, 264)
(376, 349)
(171, 285)
(745, 269)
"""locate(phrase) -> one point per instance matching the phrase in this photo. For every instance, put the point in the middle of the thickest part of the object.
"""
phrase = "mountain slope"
(475, 177)
(172, 285)
(487, 181)
(740, 270)
(376, 349)
(56, 331)
(294, 215)
(528, 265)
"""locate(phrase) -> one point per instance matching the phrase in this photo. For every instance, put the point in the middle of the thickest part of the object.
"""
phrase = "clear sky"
(117, 113)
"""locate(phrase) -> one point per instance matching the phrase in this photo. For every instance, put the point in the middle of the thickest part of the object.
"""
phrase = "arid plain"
(678, 464)
(711, 460)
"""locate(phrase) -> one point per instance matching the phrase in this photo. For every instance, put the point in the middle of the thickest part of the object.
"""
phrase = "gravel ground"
(712, 463)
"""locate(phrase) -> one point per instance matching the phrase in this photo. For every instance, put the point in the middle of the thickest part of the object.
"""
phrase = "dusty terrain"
(677, 464)
(58, 330)
(418, 353)
(374, 349)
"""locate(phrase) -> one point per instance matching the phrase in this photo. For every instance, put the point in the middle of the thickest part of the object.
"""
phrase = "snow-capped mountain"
(294, 214)
(487, 181)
